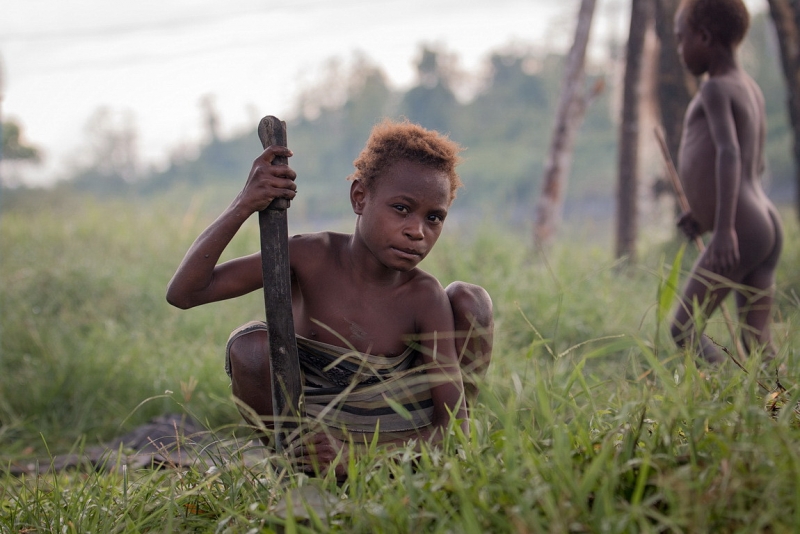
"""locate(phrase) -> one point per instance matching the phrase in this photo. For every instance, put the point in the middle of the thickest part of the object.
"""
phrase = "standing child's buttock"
(758, 228)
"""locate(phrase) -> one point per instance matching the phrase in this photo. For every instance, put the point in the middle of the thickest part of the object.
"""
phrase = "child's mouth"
(408, 253)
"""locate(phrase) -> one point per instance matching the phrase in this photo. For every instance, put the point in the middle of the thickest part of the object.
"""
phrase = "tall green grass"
(590, 419)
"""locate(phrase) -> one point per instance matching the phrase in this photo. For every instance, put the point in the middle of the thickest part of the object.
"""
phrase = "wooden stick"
(287, 391)
(672, 173)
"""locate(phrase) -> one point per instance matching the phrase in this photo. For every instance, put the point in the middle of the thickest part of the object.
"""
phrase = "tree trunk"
(786, 16)
(569, 115)
(675, 85)
(627, 189)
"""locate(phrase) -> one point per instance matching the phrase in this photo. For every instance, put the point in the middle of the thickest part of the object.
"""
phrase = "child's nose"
(414, 228)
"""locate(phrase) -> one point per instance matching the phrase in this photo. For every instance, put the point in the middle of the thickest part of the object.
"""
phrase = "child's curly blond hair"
(391, 142)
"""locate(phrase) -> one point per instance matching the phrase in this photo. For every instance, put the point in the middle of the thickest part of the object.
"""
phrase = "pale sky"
(154, 60)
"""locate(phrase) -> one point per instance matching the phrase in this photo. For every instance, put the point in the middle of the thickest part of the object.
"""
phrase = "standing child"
(370, 324)
(720, 163)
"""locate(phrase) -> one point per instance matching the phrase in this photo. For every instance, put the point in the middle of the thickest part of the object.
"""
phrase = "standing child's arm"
(723, 249)
(689, 225)
(198, 279)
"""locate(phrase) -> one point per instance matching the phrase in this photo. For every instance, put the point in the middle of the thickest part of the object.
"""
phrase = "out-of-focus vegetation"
(86, 334)
(590, 418)
(14, 147)
(504, 124)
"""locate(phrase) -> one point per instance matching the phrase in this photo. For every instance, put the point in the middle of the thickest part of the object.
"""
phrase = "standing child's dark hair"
(726, 20)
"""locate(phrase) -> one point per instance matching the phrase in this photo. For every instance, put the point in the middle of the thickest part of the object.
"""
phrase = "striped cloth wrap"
(353, 394)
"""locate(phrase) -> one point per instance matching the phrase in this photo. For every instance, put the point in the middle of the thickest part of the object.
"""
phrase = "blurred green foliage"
(89, 346)
(505, 127)
(14, 145)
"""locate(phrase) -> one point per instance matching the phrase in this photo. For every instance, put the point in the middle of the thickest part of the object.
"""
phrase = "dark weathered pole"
(675, 86)
(786, 16)
(287, 391)
(627, 184)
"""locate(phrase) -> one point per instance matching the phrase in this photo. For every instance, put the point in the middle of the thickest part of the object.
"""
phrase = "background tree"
(217, 158)
(110, 162)
(675, 86)
(14, 145)
(432, 102)
(627, 185)
(368, 99)
(211, 118)
(334, 136)
(569, 115)
(786, 16)
(13, 151)
(505, 123)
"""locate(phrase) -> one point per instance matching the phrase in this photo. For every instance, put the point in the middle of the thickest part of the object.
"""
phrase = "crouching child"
(374, 331)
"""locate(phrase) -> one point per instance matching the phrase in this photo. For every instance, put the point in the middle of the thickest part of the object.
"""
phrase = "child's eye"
(437, 219)
(401, 208)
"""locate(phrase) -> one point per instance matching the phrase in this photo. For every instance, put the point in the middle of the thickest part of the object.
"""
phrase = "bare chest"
(697, 144)
(697, 165)
(369, 321)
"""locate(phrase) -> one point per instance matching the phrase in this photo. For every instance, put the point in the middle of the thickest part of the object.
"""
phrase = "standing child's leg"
(709, 291)
(755, 313)
(474, 323)
(755, 307)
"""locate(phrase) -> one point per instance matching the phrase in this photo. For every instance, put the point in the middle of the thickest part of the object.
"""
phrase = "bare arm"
(441, 364)
(723, 250)
(198, 279)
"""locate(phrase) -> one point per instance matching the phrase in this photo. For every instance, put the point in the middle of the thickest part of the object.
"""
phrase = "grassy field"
(590, 419)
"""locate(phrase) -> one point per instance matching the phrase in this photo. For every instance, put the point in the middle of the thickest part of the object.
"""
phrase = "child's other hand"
(723, 252)
(268, 181)
(320, 452)
(688, 225)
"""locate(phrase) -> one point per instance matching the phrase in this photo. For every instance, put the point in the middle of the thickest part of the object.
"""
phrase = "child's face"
(692, 44)
(402, 215)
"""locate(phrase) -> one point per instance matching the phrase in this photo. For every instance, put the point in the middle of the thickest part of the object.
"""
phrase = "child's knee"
(472, 302)
(248, 353)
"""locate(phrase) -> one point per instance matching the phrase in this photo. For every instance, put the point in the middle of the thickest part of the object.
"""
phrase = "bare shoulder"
(426, 282)
(719, 87)
(737, 87)
(316, 243)
(317, 251)
(427, 295)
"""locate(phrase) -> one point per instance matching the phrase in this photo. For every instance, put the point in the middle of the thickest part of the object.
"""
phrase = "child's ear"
(358, 196)
(705, 36)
